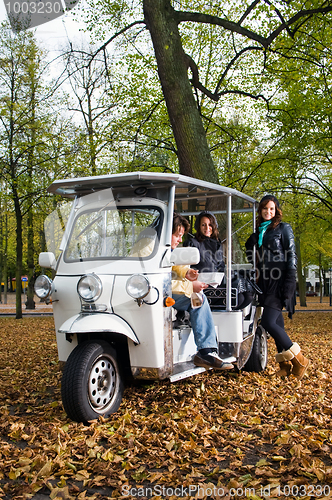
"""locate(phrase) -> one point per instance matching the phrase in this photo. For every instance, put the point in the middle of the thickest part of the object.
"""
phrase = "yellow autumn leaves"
(244, 434)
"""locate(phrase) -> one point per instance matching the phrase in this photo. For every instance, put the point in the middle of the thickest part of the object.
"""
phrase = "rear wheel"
(92, 385)
(257, 360)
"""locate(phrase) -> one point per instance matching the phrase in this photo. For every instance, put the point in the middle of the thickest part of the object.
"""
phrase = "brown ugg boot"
(285, 365)
(299, 362)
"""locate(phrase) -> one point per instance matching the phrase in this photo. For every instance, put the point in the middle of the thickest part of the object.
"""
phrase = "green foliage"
(35, 147)
(269, 129)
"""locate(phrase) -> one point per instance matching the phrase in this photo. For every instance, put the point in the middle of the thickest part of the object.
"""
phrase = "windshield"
(54, 227)
(114, 233)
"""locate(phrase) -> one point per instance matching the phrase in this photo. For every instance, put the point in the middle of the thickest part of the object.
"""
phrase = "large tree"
(249, 28)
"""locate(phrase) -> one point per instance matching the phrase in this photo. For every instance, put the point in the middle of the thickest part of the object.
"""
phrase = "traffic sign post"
(24, 280)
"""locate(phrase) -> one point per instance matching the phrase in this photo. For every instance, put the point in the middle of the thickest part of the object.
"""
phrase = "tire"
(257, 360)
(92, 385)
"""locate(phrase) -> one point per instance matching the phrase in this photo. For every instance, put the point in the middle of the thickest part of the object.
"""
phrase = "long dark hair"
(215, 234)
(278, 215)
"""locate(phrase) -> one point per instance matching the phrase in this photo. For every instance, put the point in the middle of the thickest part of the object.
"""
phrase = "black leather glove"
(289, 285)
(251, 241)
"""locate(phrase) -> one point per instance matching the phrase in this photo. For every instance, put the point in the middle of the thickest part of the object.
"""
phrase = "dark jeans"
(273, 323)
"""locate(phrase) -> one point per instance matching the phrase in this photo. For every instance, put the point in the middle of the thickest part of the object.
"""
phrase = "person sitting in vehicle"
(207, 241)
(184, 284)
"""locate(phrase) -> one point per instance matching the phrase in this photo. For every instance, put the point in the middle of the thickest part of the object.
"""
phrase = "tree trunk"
(92, 146)
(300, 277)
(19, 253)
(5, 268)
(320, 275)
(5, 264)
(30, 303)
(1, 245)
(192, 148)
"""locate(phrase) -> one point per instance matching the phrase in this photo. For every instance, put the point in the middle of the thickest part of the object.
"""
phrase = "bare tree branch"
(216, 96)
(245, 94)
(233, 61)
(126, 28)
(196, 17)
(195, 79)
(277, 11)
(248, 11)
(299, 15)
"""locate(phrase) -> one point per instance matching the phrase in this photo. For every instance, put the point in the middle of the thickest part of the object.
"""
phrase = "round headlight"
(137, 286)
(89, 287)
(43, 286)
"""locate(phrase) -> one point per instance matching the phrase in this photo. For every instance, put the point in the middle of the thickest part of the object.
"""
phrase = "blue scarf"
(261, 231)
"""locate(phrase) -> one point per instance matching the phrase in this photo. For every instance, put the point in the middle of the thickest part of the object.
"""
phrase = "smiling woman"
(273, 245)
(208, 243)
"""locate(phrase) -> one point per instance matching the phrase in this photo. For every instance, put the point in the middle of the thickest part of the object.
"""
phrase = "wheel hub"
(102, 380)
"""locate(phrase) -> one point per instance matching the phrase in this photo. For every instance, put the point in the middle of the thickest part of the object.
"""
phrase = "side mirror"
(184, 256)
(47, 260)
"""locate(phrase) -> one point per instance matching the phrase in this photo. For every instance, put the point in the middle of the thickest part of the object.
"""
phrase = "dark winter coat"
(276, 263)
(211, 254)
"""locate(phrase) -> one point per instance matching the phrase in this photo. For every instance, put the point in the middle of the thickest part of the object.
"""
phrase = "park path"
(313, 304)
(10, 308)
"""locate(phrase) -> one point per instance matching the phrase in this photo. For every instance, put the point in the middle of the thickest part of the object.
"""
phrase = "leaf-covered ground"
(218, 435)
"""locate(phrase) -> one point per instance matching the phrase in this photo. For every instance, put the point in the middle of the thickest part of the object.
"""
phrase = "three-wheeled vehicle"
(109, 247)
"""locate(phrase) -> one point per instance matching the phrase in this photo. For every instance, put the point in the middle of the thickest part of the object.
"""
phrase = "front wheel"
(92, 385)
(257, 360)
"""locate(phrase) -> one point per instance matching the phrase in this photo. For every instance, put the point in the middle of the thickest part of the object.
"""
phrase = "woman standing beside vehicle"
(276, 264)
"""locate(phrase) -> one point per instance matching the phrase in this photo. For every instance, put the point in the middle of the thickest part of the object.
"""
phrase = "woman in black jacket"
(208, 243)
(276, 259)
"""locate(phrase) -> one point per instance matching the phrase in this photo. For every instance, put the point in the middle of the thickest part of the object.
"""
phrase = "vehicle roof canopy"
(191, 195)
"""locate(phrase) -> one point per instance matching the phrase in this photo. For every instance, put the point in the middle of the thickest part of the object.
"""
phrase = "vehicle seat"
(217, 297)
(145, 242)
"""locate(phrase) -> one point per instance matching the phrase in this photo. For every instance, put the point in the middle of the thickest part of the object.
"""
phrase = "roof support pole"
(229, 253)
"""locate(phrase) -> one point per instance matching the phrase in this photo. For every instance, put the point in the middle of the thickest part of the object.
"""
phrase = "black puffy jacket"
(211, 254)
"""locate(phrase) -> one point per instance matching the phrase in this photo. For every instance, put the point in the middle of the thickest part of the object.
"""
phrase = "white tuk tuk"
(109, 248)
